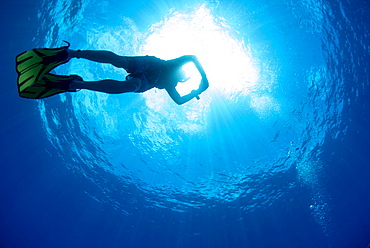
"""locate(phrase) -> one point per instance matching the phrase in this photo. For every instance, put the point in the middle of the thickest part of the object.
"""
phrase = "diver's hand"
(202, 87)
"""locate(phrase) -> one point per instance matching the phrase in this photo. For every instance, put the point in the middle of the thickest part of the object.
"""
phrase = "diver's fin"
(32, 65)
(49, 85)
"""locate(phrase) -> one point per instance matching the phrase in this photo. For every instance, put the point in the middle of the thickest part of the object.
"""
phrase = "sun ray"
(228, 63)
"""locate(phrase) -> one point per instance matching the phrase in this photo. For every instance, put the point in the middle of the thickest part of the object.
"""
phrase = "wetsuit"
(146, 68)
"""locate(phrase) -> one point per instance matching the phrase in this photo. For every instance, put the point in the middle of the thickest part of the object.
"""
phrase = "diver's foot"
(75, 81)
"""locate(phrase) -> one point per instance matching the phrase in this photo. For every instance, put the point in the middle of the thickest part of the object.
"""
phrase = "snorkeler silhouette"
(145, 72)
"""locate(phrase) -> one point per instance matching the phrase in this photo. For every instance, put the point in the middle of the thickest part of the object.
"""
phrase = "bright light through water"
(192, 79)
(227, 61)
(161, 129)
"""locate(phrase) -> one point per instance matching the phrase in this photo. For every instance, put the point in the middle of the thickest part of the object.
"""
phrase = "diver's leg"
(108, 86)
(100, 56)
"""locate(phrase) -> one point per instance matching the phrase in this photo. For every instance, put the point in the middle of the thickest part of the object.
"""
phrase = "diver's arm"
(199, 67)
(190, 58)
(172, 92)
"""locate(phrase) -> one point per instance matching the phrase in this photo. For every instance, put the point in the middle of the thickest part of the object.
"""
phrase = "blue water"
(274, 154)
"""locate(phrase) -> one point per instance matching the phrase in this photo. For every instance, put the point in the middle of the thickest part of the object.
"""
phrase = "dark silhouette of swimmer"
(145, 73)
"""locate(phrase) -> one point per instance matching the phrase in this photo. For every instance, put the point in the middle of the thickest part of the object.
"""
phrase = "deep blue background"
(34, 212)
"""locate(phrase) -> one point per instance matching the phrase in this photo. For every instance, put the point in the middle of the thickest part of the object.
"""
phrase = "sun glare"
(192, 79)
(227, 61)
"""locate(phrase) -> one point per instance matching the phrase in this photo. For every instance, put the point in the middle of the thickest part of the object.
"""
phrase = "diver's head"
(180, 76)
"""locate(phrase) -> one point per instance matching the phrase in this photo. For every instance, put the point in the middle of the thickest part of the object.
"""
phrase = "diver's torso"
(154, 72)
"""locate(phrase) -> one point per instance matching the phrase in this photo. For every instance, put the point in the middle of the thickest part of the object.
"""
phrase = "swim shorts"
(147, 69)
